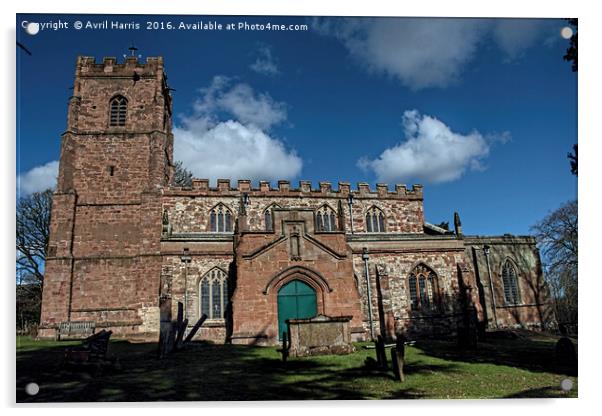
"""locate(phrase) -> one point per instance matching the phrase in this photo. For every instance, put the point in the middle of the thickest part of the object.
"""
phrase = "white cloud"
(421, 53)
(239, 101)
(429, 52)
(515, 36)
(38, 179)
(240, 147)
(431, 152)
(265, 63)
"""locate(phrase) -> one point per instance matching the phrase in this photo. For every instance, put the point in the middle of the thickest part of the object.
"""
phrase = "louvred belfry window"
(118, 108)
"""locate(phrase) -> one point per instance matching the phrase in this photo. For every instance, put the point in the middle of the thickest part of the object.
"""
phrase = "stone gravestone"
(320, 335)
(398, 358)
(381, 354)
(566, 354)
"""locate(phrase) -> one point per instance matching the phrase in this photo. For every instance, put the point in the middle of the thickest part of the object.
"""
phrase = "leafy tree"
(557, 236)
(182, 176)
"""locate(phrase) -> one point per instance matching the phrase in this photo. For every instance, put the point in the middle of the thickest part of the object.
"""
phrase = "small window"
(220, 219)
(118, 114)
(375, 221)
(326, 219)
(422, 284)
(213, 294)
(510, 280)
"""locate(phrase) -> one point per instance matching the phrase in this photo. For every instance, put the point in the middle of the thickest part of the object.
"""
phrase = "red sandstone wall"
(104, 259)
(260, 276)
(534, 309)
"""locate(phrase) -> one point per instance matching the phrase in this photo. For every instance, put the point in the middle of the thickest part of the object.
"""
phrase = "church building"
(125, 241)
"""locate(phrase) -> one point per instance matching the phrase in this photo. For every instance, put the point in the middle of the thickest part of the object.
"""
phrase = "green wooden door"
(296, 299)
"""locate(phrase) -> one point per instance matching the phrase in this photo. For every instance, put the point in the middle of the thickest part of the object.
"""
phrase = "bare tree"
(33, 225)
(182, 176)
(557, 236)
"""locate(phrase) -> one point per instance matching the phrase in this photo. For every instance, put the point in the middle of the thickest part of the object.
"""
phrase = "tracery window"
(220, 219)
(118, 111)
(422, 283)
(213, 294)
(326, 219)
(375, 221)
(510, 280)
(268, 216)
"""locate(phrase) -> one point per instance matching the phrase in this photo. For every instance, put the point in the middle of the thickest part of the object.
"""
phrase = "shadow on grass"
(533, 353)
(205, 371)
(548, 392)
(201, 372)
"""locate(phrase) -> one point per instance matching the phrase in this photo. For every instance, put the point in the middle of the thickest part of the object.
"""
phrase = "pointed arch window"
(375, 220)
(510, 280)
(326, 219)
(268, 217)
(213, 294)
(220, 219)
(118, 110)
(423, 290)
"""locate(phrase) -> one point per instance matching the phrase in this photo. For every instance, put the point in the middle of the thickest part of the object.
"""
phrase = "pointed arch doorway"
(296, 300)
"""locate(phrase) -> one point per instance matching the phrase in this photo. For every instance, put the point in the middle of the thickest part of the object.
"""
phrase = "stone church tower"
(104, 258)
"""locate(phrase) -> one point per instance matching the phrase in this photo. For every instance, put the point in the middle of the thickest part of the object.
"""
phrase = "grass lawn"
(522, 367)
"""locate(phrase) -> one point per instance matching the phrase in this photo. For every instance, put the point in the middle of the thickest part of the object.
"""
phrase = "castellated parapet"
(87, 66)
(200, 187)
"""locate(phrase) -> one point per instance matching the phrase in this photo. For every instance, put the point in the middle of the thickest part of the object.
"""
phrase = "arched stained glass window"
(422, 284)
(510, 280)
(213, 294)
(220, 219)
(118, 111)
(326, 219)
(375, 220)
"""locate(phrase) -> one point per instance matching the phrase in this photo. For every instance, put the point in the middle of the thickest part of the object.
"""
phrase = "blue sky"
(482, 112)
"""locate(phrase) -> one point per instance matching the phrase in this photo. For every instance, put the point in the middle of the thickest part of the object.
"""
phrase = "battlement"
(87, 66)
(200, 187)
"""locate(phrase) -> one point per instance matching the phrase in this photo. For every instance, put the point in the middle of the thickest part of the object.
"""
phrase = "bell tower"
(118, 141)
(103, 261)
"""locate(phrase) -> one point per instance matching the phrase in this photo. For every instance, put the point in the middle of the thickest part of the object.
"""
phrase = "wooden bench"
(93, 350)
(76, 330)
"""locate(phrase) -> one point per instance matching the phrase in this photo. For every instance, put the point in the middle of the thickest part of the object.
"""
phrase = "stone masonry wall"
(202, 263)
(189, 210)
(267, 261)
(104, 256)
(392, 271)
(534, 309)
